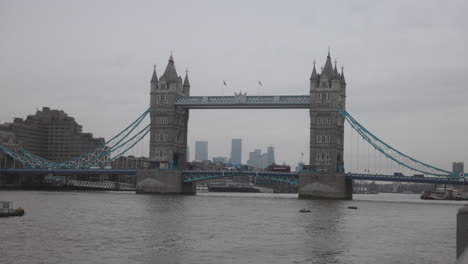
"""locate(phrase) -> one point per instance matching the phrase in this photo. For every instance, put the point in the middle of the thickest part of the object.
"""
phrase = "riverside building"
(52, 134)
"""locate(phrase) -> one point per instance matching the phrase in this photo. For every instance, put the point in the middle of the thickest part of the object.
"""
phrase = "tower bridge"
(170, 103)
(169, 111)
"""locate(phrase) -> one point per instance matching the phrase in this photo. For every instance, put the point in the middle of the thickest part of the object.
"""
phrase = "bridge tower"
(168, 136)
(325, 177)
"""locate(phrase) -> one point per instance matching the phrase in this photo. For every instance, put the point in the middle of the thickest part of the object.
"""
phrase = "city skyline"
(405, 80)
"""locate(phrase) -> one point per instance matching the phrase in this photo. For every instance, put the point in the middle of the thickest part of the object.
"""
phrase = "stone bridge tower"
(325, 177)
(168, 134)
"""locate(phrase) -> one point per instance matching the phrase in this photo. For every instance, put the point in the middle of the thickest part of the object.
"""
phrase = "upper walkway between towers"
(242, 101)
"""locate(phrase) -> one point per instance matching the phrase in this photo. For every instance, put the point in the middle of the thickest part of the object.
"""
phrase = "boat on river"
(433, 195)
(6, 209)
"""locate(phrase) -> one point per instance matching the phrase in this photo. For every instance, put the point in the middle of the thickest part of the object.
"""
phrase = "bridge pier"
(163, 181)
(315, 185)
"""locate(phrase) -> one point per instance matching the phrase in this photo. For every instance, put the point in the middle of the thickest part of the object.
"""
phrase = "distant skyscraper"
(260, 160)
(188, 154)
(458, 167)
(271, 156)
(255, 158)
(236, 151)
(201, 150)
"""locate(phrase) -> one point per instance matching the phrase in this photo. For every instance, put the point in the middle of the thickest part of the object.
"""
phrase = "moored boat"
(433, 195)
(6, 209)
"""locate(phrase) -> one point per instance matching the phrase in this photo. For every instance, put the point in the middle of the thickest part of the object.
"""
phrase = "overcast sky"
(405, 64)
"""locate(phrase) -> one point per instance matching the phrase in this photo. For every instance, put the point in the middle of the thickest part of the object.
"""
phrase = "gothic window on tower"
(323, 97)
(323, 120)
(322, 158)
(162, 137)
(161, 98)
(160, 153)
(322, 139)
(162, 120)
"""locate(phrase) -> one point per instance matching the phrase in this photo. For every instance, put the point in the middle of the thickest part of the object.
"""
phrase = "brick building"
(52, 134)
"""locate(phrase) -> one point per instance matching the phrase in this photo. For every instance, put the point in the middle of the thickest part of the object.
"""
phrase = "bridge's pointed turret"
(327, 73)
(314, 77)
(154, 81)
(154, 78)
(170, 74)
(186, 80)
(342, 75)
(328, 68)
(186, 85)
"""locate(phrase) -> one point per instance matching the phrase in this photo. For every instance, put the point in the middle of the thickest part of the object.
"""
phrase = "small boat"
(6, 209)
(352, 207)
(303, 210)
(433, 195)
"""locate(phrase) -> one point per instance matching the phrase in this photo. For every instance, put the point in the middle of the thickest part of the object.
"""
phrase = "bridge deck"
(435, 180)
(69, 171)
(246, 102)
(292, 178)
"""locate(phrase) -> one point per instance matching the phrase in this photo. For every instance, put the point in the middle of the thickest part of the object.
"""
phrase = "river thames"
(119, 227)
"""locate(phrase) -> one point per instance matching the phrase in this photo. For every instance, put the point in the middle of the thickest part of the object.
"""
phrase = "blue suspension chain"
(369, 137)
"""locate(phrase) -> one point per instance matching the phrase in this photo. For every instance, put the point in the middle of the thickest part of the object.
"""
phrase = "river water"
(117, 227)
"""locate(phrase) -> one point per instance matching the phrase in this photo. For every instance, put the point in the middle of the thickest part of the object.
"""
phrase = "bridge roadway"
(435, 180)
(86, 171)
(292, 178)
(192, 176)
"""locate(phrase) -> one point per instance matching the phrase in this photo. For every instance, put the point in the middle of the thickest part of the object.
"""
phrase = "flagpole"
(259, 84)
(224, 85)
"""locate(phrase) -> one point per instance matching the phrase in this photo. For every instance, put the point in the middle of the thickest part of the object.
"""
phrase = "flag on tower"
(224, 82)
(260, 83)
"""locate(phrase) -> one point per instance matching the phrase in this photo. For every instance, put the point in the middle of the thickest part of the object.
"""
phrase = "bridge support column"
(163, 181)
(314, 185)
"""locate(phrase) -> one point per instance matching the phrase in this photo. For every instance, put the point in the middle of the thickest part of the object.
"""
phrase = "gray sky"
(405, 65)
